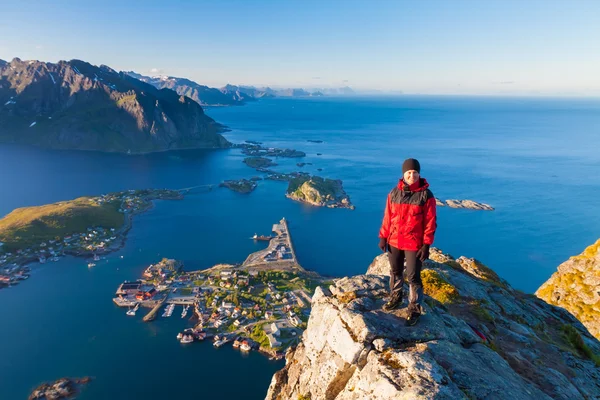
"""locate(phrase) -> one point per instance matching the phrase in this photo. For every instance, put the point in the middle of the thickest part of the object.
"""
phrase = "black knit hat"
(411, 164)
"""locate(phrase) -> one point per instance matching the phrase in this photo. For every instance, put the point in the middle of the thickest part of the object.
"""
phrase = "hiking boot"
(394, 301)
(412, 319)
(414, 313)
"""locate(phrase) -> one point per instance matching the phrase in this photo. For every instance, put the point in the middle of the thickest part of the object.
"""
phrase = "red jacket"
(410, 218)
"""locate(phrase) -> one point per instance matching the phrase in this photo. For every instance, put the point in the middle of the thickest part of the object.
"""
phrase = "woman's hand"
(423, 253)
(383, 244)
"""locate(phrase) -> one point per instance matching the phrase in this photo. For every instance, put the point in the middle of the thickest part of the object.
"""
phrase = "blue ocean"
(535, 160)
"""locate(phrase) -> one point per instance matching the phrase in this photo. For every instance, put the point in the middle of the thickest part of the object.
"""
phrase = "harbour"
(261, 304)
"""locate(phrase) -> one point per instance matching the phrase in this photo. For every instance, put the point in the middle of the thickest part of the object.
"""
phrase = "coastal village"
(262, 304)
(91, 242)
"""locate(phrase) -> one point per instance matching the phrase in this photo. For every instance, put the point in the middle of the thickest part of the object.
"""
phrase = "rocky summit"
(575, 286)
(477, 339)
(76, 105)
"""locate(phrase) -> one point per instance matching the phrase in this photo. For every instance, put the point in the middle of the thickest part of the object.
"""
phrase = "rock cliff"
(576, 287)
(76, 105)
(478, 339)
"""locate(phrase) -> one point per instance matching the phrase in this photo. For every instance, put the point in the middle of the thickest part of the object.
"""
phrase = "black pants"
(413, 274)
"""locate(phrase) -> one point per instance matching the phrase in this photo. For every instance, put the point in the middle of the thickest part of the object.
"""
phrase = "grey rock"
(352, 349)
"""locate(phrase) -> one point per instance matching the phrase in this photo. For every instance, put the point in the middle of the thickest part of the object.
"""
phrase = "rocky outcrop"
(319, 191)
(576, 287)
(76, 105)
(470, 204)
(63, 388)
(487, 341)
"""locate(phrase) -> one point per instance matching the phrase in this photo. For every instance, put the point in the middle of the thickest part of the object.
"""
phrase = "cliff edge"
(478, 339)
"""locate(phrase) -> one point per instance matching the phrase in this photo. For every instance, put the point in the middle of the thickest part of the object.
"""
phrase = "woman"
(407, 232)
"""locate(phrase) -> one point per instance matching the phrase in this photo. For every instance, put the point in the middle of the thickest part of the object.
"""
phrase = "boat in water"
(262, 237)
(96, 257)
(245, 347)
(168, 310)
(90, 265)
(187, 331)
(132, 311)
(224, 339)
(187, 339)
(185, 311)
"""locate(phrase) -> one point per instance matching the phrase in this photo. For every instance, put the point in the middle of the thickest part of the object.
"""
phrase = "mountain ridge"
(76, 105)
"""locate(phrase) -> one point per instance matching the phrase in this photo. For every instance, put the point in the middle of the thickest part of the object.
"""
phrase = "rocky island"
(318, 191)
(64, 388)
(79, 106)
(257, 150)
(576, 287)
(259, 162)
(243, 186)
(467, 204)
(478, 339)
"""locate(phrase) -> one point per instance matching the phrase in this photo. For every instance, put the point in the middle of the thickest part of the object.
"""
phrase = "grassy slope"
(29, 226)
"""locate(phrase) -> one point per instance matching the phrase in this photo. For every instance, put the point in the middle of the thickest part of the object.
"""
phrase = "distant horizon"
(359, 92)
(533, 48)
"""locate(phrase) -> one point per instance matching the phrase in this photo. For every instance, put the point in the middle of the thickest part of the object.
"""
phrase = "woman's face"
(411, 176)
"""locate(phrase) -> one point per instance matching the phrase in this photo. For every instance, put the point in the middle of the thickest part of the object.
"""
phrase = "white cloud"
(39, 47)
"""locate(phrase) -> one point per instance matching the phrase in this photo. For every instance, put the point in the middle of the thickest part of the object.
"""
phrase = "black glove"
(423, 253)
(383, 244)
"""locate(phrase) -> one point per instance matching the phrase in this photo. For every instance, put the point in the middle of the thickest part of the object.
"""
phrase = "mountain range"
(76, 105)
(230, 94)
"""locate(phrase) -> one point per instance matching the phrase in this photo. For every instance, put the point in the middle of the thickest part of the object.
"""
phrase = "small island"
(243, 186)
(85, 227)
(302, 164)
(468, 204)
(314, 141)
(319, 191)
(63, 388)
(259, 162)
(257, 150)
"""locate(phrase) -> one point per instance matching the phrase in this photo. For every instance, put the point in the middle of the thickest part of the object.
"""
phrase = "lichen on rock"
(575, 286)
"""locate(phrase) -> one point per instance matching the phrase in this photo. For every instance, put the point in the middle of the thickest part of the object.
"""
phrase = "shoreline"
(22, 264)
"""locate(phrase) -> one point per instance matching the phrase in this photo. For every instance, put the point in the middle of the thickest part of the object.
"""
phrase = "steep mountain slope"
(76, 105)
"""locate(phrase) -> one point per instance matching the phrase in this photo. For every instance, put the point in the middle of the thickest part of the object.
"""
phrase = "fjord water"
(535, 160)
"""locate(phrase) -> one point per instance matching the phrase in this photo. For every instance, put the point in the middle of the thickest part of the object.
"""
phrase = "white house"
(272, 341)
(225, 274)
(275, 329)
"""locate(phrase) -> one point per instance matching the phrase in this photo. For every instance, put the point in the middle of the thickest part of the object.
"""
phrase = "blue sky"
(448, 47)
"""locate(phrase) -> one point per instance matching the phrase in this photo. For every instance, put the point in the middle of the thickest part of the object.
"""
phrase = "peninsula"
(85, 227)
(261, 304)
